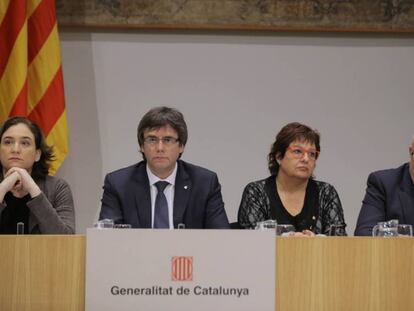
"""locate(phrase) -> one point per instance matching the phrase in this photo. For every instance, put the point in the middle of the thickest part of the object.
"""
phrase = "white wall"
(236, 91)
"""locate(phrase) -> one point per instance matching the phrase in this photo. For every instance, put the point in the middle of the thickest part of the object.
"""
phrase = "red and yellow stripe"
(31, 79)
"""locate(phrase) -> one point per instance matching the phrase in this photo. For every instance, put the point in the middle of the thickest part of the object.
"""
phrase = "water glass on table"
(405, 230)
(285, 230)
(386, 229)
(122, 226)
(269, 224)
(104, 224)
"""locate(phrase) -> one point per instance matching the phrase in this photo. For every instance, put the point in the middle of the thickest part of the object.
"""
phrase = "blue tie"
(161, 206)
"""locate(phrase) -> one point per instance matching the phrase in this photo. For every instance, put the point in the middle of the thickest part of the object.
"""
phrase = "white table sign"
(186, 270)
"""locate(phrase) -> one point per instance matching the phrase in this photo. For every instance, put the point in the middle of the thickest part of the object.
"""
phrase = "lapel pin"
(185, 187)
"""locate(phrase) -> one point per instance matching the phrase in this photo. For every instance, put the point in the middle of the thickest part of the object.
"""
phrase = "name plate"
(186, 270)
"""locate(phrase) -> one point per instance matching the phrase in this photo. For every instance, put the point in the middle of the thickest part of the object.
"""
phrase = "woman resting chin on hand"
(27, 193)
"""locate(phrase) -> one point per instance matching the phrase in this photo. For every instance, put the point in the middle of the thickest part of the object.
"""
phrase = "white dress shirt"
(168, 192)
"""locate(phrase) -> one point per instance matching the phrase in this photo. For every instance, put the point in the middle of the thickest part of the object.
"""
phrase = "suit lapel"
(142, 192)
(183, 188)
(406, 195)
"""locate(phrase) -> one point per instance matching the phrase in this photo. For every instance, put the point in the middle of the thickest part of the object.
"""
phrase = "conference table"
(47, 272)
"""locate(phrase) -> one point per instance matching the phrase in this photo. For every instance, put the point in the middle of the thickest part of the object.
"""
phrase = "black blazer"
(197, 199)
(389, 195)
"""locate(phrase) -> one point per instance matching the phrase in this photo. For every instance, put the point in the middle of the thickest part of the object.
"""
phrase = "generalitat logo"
(182, 268)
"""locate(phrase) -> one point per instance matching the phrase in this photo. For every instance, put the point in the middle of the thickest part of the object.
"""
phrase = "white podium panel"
(211, 270)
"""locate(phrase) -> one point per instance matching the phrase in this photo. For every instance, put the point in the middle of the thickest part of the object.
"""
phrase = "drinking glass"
(266, 225)
(122, 226)
(104, 224)
(285, 230)
(405, 230)
(386, 229)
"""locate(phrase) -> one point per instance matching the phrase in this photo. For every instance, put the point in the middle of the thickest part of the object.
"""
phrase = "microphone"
(20, 228)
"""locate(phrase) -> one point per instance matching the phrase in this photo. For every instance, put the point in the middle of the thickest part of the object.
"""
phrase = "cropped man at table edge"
(163, 191)
(389, 195)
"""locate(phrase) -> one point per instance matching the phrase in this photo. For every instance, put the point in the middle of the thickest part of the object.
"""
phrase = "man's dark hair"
(40, 168)
(289, 133)
(163, 116)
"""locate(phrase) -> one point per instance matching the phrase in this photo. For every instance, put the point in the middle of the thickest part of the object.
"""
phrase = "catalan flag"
(31, 80)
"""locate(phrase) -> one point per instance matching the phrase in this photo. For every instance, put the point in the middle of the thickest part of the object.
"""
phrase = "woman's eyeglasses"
(299, 152)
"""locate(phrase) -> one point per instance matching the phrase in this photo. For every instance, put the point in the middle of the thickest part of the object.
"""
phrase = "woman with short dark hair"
(291, 195)
(28, 195)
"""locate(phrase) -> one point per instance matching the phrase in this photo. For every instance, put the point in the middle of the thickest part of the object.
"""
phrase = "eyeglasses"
(299, 152)
(166, 141)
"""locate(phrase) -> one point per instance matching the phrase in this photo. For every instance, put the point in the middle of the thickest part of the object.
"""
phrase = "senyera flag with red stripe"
(31, 81)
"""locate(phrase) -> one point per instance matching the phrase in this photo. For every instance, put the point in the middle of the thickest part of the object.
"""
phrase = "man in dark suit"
(162, 191)
(389, 195)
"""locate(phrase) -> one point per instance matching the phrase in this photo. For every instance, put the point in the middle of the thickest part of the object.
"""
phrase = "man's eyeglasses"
(166, 141)
(299, 152)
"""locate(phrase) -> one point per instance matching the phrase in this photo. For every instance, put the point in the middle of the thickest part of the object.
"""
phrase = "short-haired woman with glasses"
(291, 195)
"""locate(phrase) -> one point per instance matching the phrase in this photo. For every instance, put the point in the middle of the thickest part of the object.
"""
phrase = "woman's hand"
(308, 233)
(24, 183)
(305, 233)
(8, 183)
